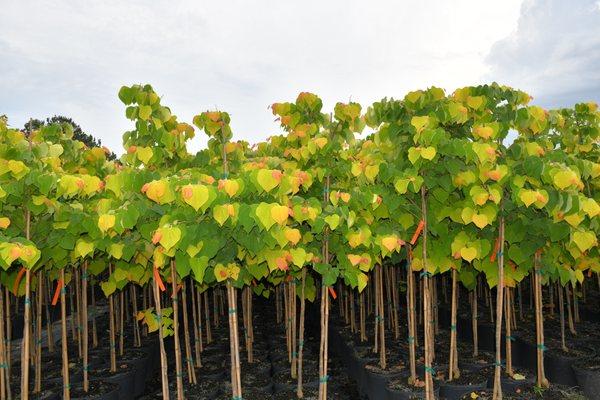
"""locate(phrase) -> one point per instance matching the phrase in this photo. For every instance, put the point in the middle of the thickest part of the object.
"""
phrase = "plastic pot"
(376, 384)
(588, 380)
(450, 391)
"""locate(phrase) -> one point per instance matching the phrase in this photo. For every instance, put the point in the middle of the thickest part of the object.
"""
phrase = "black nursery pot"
(140, 365)
(450, 391)
(588, 380)
(559, 368)
(125, 379)
(376, 383)
(110, 394)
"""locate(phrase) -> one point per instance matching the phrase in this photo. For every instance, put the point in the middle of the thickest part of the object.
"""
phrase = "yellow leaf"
(565, 178)
(362, 281)
(280, 214)
(468, 253)
(292, 235)
(584, 240)
(106, 221)
(144, 154)
(574, 219)
(390, 243)
(266, 180)
(480, 220)
(528, 197)
(4, 222)
(428, 153)
(195, 195)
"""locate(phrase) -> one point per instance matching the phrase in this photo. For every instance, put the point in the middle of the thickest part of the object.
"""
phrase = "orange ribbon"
(417, 232)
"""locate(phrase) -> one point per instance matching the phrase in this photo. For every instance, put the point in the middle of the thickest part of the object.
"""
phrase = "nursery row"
(475, 192)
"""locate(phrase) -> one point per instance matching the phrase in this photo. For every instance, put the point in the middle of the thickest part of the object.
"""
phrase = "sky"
(68, 57)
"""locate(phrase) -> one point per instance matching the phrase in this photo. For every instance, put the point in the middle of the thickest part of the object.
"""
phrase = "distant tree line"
(78, 133)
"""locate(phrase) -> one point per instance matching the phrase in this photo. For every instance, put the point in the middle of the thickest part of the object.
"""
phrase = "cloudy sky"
(70, 57)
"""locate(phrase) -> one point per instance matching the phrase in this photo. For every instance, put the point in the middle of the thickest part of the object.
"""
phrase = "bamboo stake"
(163, 353)
(509, 338)
(233, 328)
(569, 314)
(561, 310)
(84, 320)
(499, 300)
(541, 376)
(207, 315)
(294, 371)
(38, 340)
(111, 328)
(4, 378)
(65, 354)
(121, 313)
(26, 321)
(299, 390)
(8, 332)
(178, 366)
(49, 330)
(394, 286)
(137, 338)
(363, 333)
(410, 313)
(186, 335)
(453, 371)
(94, 330)
(78, 315)
(197, 322)
(474, 325)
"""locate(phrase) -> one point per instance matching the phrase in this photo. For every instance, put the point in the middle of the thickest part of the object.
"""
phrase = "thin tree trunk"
(234, 344)
(94, 330)
(207, 316)
(561, 310)
(137, 338)
(197, 322)
(4, 378)
(509, 338)
(569, 314)
(474, 325)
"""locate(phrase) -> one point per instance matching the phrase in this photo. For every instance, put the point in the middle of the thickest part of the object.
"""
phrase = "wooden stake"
(299, 391)
(84, 321)
(65, 353)
(178, 366)
(163, 354)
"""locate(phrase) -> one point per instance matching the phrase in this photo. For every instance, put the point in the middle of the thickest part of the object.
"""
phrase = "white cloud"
(70, 57)
(554, 54)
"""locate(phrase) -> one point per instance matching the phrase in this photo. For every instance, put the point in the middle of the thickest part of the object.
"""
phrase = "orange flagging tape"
(18, 280)
(496, 249)
(417, 232)
(59, 287)
(332, 293)
(158, 280)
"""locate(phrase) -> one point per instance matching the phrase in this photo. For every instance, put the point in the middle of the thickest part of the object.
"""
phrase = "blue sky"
(70, 57)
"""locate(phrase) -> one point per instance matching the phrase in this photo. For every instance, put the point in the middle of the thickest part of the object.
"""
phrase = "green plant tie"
(301, 344)
(174, 298)
(542, 347)
(63, 290)
(425, 274)
(453, 328)
(499, 254)
(324, 379)
(189, 360)
(511, 338)
(430, 370)
(231, 311)
(378, 318)
(179, 374)
(236, 398)
(27, 301)
(38, 341)
(67, 387)
(3, 366)
(158, 317)
(225, 175)
(411, 339)
(84, 276)
(86, 367)
(294, 354)
(498, 363)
